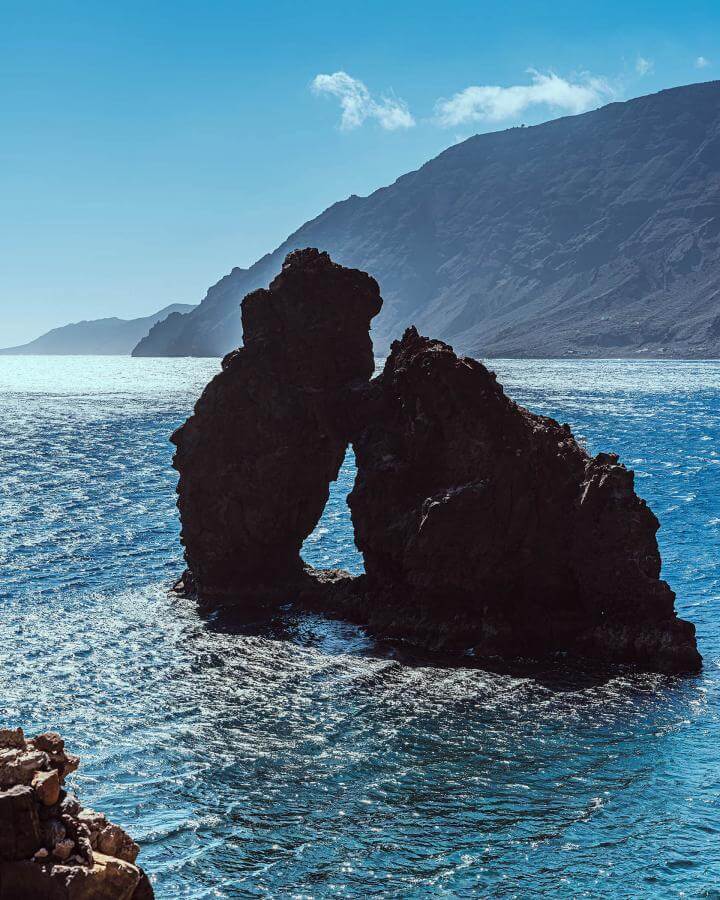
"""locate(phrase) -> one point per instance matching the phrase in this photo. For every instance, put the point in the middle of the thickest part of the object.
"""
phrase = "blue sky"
(147, 148)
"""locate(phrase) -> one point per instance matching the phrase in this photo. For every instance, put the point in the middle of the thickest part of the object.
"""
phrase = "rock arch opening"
(331, 545)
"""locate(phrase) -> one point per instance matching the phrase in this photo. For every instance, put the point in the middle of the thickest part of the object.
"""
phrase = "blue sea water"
(304, 761)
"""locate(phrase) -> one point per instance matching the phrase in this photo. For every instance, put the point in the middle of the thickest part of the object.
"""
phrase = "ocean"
(301, 759)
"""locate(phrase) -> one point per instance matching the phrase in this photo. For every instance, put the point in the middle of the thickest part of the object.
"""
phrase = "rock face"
(591, 235)
(484, 528)
(50, 848)
(487, 528)
(269, 433)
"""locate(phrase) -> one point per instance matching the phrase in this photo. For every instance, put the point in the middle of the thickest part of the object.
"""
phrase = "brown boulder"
(106, 879)
(50, 742)
(20, 766)
(12, 737)
(47, 786)
(46, 846)
(64, 849)
(115, 841)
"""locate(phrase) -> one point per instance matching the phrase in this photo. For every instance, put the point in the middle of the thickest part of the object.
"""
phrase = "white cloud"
(702, 63)
(643, 66)
(358, 104)
(490, 103)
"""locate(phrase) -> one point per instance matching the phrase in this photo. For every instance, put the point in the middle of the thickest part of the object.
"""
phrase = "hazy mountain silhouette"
(98, 337)
(591, 235)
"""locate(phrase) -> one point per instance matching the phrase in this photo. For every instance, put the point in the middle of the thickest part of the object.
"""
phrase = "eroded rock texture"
(50, 847)
(269, 433)
(486, 527)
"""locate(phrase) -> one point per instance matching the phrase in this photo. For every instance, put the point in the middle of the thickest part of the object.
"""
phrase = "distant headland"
(98, 337)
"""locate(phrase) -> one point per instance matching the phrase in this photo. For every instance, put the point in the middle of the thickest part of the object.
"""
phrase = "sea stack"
(269, 433)
(485, 529)
(50, 847)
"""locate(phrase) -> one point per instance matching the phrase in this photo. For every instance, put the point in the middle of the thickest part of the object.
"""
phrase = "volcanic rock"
(485, 529)
(12, 737)
(19, 766)
(269, 433)
(64, 849)
(107, 879)
(46, 851)
(19, 823)
(50, 742)
(114, 841)
(488, 529)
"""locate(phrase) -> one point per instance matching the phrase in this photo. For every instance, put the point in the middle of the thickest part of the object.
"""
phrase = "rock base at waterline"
(485, 529)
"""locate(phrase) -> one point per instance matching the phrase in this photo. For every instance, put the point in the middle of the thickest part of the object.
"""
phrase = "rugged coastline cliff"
(50, 847)
(485, 529)
(596, 235)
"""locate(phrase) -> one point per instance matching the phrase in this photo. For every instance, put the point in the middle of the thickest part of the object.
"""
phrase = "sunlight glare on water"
(302, 761)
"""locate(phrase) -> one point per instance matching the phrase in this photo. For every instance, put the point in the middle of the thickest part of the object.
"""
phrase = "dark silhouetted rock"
(20, 834)
(269, 433)
(486, 528)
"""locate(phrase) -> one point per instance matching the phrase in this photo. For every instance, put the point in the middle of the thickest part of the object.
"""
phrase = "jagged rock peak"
(312, 323)
(485, 529)
(489, 529)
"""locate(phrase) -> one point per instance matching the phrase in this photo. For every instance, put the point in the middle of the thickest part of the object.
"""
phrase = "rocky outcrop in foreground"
(50, 847)
(485, 529)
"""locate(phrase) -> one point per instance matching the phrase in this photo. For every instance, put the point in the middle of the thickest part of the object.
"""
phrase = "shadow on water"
(339, 637)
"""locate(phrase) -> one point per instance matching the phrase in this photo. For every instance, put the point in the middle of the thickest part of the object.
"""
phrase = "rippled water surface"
(304, 761)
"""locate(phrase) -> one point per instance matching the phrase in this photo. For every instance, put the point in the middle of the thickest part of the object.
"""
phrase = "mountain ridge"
(591, 235)
(109, 336)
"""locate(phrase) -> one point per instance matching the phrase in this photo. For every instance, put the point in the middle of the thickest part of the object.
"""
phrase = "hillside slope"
(98, 337)
(591, 235)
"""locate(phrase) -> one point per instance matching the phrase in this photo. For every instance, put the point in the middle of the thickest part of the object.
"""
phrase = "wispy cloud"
(490, 103)
(702, 62)
(643, 66)
(358, 104)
